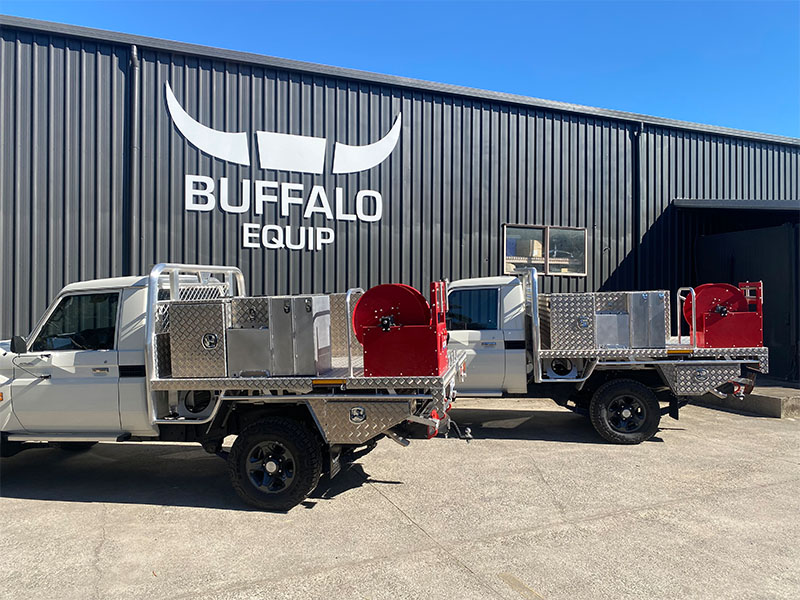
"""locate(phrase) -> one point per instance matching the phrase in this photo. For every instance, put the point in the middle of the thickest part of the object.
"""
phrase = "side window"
(80, 322)
(472, 309)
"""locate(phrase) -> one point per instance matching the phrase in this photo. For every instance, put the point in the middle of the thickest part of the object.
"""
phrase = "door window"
(80, 322)
(472, 309)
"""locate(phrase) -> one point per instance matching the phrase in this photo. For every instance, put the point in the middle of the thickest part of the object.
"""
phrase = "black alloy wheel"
(624, 411)
(275, 463)
(271, 467)
(626, 414)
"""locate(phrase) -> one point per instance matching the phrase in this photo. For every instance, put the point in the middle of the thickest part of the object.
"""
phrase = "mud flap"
(674, 408)
(675, 404)
(335, 465)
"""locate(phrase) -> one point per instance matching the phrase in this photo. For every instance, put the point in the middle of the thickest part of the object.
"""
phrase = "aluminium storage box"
(249, 338)
(300, 329)
(572, 321)
(249, 352)
(197, 338)
(631, 320)
(648, 319)
(279, 336)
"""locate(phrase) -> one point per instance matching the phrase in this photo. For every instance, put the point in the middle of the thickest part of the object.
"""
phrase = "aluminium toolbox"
(606, 320)
(279, 336)
(197, 338)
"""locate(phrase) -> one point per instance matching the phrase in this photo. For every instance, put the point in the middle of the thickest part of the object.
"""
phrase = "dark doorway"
(769, 254)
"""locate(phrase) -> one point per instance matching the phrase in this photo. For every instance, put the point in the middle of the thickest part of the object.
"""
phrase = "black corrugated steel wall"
(62, 171)
(682, 164)
(461, 170)
(463, 167)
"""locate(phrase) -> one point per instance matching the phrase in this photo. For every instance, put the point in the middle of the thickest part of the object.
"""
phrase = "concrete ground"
(535, 507)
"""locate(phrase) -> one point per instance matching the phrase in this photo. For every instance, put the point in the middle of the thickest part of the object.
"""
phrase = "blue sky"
(735, 64)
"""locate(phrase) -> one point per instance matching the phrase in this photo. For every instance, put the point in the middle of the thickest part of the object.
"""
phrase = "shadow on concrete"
(351, 477)
(521, 424)
(135, 473)
(167, 475)
(175, 475)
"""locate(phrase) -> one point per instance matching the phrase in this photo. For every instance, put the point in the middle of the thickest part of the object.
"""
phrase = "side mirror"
(18, 345)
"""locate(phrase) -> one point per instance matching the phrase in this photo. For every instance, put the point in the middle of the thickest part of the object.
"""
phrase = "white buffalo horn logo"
(227, 146)
(282, 151)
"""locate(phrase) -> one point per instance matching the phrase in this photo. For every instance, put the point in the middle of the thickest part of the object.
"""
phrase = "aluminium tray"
(339, 373)
(759, 354)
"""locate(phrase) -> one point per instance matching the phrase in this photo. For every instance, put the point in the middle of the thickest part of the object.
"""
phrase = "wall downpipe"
(130, 220)
(638, 217)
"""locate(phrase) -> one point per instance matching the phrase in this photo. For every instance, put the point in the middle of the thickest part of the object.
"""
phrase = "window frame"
(54, 306)
(477, 289)
(546, 248)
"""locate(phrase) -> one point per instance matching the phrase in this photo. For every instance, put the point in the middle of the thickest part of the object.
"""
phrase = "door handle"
(100, 370)
(488, 343)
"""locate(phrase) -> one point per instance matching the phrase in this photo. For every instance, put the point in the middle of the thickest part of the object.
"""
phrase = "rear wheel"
(275, 463)
(624, 411)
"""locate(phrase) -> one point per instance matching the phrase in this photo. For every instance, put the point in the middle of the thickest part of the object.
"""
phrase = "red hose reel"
(727, 316)
(401, 333)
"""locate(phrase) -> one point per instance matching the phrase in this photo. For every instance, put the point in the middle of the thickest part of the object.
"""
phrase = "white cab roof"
(108, 283)
(121, 282)
(482, 282)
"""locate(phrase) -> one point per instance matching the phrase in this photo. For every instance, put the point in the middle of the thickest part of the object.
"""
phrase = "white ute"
(611, 355)
(184, 355)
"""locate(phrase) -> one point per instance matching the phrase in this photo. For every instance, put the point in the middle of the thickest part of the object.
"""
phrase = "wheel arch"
(244, 414)
(650, 377)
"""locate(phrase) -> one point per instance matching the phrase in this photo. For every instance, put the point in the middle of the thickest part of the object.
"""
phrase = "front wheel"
(624, 411)
(275, 463)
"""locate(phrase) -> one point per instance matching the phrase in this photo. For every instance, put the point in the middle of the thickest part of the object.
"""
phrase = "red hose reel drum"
(727, 316)
(403, 304)
(401, 333)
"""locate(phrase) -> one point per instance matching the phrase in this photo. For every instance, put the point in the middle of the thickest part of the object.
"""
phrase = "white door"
(472, 322)
(68, 380)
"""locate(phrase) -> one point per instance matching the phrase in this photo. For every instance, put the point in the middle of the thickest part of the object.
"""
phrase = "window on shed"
(552, 250)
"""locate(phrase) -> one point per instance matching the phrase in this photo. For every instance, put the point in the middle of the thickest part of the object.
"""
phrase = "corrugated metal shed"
(93, 188)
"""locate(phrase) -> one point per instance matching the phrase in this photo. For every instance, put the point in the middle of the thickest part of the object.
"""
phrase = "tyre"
(73, 446)
(275, 463)
(624, 411)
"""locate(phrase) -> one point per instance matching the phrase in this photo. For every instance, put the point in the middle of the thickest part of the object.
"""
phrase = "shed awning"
(737, 204)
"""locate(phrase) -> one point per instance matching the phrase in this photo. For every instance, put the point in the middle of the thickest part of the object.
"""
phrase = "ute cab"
(81, 372)
(486, 319)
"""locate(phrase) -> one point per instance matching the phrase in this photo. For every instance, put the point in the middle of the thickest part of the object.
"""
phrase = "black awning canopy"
(728, 204)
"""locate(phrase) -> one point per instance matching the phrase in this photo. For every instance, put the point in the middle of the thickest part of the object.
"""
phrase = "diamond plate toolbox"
(197, 338)
(572, 321)
(357, 421)
(696, 378)
(250, 312)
